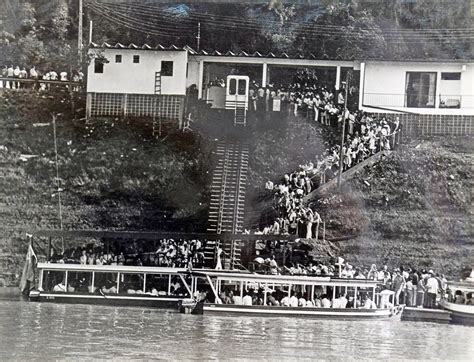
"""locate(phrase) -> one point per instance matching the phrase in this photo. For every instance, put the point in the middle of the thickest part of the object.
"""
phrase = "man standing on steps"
(218, 257)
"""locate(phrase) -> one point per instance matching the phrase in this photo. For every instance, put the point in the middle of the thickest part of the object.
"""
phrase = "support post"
(200, 78)
(90, 31)
(79, 31)
(48, 259)
(338, 78)
(343, 133)
(264, 75)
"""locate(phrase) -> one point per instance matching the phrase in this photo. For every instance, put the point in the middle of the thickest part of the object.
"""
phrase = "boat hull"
(112, 300)
(460, 314)
(319, 313)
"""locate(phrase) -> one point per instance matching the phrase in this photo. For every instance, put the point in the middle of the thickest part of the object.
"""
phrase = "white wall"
(193, 73)
(383, 85)
(128, 77)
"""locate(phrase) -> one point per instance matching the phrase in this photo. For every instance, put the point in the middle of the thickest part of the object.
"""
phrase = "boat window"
(242, 87)
(79, 282)
(157, 284)
(177, 287)
(54, 281)
(131, 283)
(232, 86)
(105, 282)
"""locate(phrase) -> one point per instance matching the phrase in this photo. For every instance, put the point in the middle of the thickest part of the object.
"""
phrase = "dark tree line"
(44, 32)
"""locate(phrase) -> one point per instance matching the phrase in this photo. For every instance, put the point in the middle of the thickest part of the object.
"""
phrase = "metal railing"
(38, 84)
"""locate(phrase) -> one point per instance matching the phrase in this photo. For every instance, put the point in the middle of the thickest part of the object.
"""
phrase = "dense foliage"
(44, 32)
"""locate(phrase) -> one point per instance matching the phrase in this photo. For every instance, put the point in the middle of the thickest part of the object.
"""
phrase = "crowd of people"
(365, 137)
(168, 253)
(411, 287)
(21, 77)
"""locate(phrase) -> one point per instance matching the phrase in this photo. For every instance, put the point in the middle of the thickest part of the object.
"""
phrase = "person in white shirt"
(301, 302)
(63, 76)
(325, 302)
(247, 300)
(432, 287)
(343, 301)
(285, 302)
(336, 303)
(369, 304)
(309, 304)
(53, 75)
(293, 301)
(237, 300)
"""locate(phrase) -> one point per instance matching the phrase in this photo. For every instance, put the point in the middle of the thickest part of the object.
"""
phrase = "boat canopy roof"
(463, 286)
(111, 268)
(286, 279)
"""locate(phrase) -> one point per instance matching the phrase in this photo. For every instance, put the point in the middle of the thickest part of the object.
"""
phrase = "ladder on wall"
(156, 105)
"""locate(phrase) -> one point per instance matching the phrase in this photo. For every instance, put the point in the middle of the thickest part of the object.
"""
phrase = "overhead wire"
(138, 25)
(413, 37)
(241, 21)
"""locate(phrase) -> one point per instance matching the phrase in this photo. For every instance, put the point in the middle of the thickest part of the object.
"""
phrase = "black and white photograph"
(236, 180)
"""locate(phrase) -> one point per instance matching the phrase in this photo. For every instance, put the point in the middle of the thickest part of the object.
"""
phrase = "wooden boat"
(153, 287)
(460, 313)
(242, 283)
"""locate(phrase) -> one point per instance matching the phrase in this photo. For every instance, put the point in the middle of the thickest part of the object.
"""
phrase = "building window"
(450, 90)
(98, 66)
(242, 87)
(166, 68)
(420, 89)
(136, 59)
(118, 58)
(450, 76)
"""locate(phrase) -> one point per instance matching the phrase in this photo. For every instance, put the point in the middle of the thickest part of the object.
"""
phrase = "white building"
(437, 88)
(428, 96)
(136, 81)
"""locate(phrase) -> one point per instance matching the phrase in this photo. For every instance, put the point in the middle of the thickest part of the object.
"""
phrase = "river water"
(52, 331)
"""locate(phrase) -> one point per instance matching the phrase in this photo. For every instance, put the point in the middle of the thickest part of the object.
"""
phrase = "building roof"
(241, 53)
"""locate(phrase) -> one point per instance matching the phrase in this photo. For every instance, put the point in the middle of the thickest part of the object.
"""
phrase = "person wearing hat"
(432, 288)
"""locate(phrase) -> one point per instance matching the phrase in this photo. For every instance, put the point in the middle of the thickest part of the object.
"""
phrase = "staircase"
(226, 212)
(240, 114)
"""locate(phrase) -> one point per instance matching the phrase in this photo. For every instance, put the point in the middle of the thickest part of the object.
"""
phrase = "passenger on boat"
(470, 299)
(459, 297)
(398, 284)
(325, 302)
(60, 287)
(271, 300)
(293, 300)
(285, 301)
(247, 299)
(237, 299)
(368, 303)
(301, 301)
(336, 303)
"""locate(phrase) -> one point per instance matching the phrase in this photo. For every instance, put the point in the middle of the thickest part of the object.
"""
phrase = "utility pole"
(58, 183)
(198, 38)
(343, 135)
(79, 31)
(90, 31)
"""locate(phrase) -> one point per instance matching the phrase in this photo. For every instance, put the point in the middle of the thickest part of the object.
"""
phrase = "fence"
(166, 107)
(38, 84)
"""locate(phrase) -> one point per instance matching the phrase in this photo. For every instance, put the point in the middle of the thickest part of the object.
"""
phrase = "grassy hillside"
(114, 175)
(413, 208)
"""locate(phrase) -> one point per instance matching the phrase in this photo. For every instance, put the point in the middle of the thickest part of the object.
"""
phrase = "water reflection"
(48, 331)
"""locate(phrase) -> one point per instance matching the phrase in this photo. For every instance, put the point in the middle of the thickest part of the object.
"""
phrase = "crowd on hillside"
(33, 74)
(366, 137)
(168, 253)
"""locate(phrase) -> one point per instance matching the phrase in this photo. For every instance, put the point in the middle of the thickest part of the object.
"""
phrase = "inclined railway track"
(226, 212)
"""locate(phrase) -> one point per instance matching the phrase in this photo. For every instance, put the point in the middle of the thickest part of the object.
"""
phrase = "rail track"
(226, 212)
